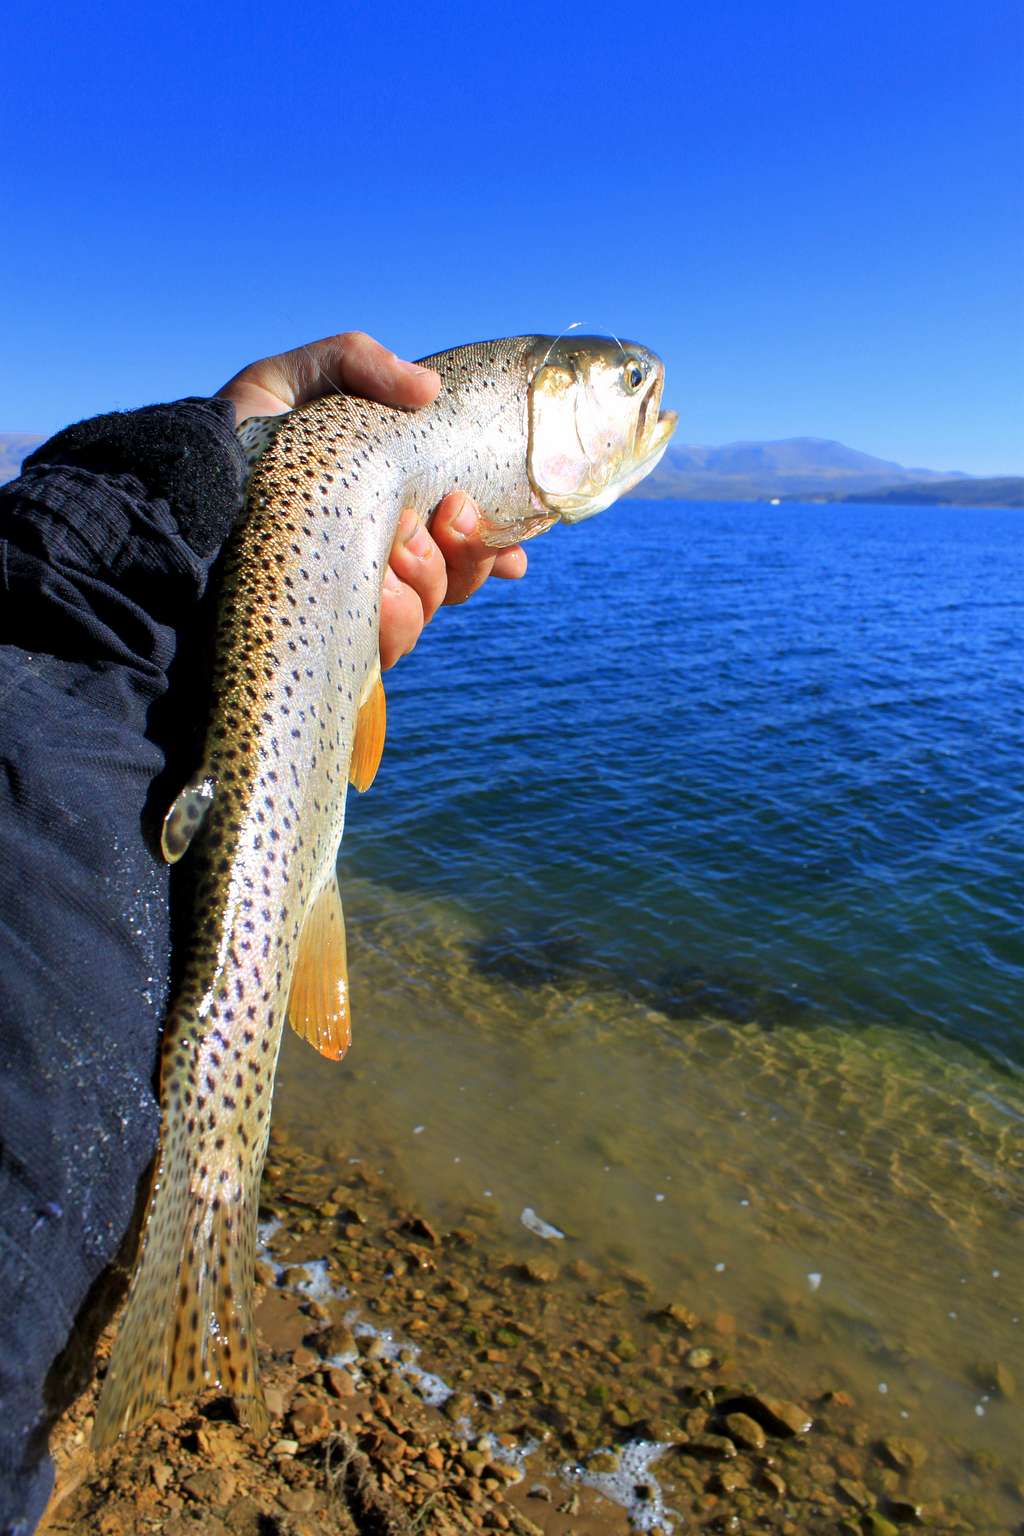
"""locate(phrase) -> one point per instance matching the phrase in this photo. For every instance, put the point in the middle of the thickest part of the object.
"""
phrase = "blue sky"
(814, 212)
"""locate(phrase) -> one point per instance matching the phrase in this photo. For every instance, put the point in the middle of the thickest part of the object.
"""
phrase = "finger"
(351, 362)
(416, 560)
(359, 365)
(510, 564)
(469, 560)
(401, 619)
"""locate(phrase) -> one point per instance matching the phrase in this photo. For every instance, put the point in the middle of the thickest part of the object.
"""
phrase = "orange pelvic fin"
(368, 747)
(318, 1005)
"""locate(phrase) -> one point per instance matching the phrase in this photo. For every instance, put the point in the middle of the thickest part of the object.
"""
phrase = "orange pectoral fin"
(368, 747)
(318, 1006)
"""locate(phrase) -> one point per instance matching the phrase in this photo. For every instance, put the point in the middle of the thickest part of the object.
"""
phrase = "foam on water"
(631, 1484)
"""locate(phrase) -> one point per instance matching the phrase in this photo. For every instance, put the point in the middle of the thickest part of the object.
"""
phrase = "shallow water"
(686, 911)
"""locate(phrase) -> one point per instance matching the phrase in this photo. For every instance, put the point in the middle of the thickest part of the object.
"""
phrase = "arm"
(106, 544)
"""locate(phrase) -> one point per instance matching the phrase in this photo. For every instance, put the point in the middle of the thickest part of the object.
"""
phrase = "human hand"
(445, 564)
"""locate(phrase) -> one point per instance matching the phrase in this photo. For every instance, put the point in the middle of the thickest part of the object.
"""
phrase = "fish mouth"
(630, 474)
(657, 434)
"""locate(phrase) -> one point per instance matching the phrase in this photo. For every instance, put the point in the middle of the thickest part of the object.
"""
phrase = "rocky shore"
(420, 1381)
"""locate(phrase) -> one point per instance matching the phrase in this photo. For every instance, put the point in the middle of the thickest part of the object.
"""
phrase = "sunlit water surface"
(686, 910)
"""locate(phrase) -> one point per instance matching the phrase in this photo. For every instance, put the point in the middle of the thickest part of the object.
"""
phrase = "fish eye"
(633, 375)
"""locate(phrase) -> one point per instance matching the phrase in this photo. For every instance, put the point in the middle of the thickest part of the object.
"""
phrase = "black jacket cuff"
(187, 453)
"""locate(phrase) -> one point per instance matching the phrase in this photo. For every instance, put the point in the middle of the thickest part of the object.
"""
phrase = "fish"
(537, 430)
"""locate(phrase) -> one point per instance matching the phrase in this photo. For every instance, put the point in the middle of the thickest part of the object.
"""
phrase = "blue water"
(686, 910)
(762, 760)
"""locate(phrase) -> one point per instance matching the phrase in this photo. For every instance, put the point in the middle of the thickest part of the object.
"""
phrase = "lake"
(686, 911)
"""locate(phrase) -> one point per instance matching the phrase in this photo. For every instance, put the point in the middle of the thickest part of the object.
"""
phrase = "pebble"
(698, 1359)
(776, 1414)
(745, 1431)
(564, 1360)
(676, 1313)
(854, 1491)
(773, 1482)
(215, 1486)
(717, 1447)
(903, 1454)
(905, 1511)
(541, 1271)
(298, 1501)
(878, 1525)
(308, 1417)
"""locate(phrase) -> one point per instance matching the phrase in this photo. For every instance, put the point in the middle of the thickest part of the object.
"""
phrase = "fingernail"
(415, 538)
(391, 581)
(467, 519)
(416, 368)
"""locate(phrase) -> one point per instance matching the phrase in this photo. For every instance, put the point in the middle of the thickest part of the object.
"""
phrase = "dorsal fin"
(186, 816)
(371, 728)
(318, 1005)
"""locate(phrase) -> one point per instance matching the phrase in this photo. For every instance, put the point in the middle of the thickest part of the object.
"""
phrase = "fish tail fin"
(188, 1321)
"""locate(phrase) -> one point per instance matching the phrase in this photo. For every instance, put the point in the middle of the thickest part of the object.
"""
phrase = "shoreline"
(543, 1414)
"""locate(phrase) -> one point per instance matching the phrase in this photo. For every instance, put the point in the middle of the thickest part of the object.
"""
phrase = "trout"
(537, 430)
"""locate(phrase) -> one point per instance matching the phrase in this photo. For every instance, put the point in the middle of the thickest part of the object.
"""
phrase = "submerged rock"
(902, 1453)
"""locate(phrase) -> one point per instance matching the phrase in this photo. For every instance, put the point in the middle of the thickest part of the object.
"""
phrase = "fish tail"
(188, 1321)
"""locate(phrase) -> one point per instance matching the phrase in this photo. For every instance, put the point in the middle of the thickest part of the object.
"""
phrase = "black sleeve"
(106, 543)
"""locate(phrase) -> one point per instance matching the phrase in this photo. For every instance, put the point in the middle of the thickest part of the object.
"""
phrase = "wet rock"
(775, 1414)
(775, 1484)
(294, 1276)
(623, 1347)
(877, 1525)
(540, 1271)
(904, 1511)
(603, 1461)
(538, 1491)
(420, 1227)
(902, 1453)
(854, 1492)
(745, 1431)
(710, 1447)
(997, 1378)
(699, 1359)
(458, 1406)
(678, 1314)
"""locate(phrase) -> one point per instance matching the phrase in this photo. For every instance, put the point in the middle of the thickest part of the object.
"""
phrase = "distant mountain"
(15, 446)
(1002, 491)
(794, 466)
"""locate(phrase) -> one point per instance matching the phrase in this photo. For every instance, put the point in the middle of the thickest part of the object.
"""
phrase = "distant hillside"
(1005, 491)
(794, 466)
(14, 446)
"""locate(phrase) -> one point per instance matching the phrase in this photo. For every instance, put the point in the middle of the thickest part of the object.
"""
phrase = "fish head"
(596, 427)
